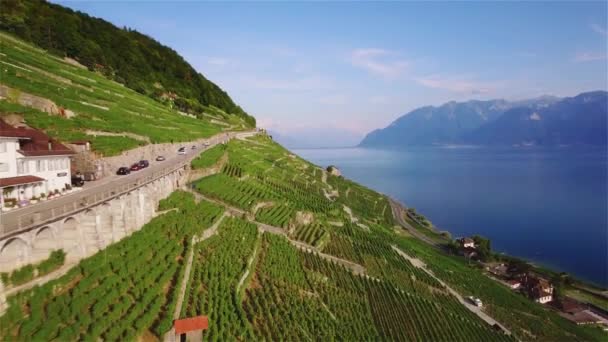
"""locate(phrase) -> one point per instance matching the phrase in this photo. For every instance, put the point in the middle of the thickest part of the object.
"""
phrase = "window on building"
(22, 167)
(40, 165)
(3, 167)
(2, 147)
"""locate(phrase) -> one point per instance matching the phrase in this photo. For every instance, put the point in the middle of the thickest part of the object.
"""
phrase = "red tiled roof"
(12, 181)
(7, 130)
(32, 142)
(183, 326)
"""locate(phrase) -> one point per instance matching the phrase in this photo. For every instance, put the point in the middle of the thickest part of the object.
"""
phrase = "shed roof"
(185, 325)
(19, 180)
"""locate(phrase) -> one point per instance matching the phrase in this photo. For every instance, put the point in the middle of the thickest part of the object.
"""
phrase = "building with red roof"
(32, 165)
(190, 329)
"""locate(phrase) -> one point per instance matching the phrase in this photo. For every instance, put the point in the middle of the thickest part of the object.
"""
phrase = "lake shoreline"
(377, 169)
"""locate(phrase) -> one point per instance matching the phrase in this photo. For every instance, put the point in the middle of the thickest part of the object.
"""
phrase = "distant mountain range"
(546, 121)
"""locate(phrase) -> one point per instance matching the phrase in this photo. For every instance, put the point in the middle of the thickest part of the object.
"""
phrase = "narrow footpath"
(207, 233)
(474, 309)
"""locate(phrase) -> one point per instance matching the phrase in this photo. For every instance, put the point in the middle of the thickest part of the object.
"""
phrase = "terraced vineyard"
(209, 158)
(86, 105)
(278, 216)
(344, 281)
(119, 293)
(219, 263)
(312, 234)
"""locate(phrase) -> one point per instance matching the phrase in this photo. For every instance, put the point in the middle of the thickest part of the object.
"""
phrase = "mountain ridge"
(475, 122)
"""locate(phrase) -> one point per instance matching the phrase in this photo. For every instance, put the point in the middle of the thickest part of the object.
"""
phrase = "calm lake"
(548, 205)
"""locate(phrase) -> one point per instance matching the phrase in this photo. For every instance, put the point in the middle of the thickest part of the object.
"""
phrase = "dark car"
(135, 167)
(160, 158)
(182, 150)
(193, 147)
(77, 181)
(143, 164)
(123, 171)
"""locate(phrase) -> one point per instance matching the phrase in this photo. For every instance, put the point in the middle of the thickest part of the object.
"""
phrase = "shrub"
(22, 275)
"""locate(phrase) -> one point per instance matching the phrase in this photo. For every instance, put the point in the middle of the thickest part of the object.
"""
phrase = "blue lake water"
(548, 205)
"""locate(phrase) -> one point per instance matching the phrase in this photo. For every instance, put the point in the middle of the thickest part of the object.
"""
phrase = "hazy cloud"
(294, 84)
(379, 99)
(336, 99)
(379, 62)
(590, 56)
(599, 29)
(455, 85)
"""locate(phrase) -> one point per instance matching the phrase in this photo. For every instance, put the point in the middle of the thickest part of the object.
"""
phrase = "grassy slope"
(31, 70)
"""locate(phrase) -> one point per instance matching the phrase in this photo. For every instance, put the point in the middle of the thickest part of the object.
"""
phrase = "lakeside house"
(32, 166)
(514, 284)
(538, 289)
(466, 242)
(467, 247)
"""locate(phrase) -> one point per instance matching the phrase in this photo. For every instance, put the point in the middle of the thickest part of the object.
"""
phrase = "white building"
(466, 242)
(31, 165)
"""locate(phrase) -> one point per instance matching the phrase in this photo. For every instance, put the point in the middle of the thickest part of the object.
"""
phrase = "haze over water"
(548, 205)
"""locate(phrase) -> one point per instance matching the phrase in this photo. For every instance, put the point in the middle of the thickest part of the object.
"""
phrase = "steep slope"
(286, 263)
(125, 55)
(73, 103)
(577, 120)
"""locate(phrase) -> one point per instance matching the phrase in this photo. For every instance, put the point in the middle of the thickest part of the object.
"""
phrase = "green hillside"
(87, 102)
(293, 260)
(124, 55)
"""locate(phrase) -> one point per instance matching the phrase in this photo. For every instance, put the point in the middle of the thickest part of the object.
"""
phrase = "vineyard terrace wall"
(92, 229)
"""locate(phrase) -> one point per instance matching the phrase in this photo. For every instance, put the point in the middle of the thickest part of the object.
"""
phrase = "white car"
(476, 301)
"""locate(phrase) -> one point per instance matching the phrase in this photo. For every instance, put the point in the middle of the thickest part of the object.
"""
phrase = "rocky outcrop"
(28, 100)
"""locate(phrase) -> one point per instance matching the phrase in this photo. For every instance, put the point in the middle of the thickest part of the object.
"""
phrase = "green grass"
(209, 158)
(27, 69)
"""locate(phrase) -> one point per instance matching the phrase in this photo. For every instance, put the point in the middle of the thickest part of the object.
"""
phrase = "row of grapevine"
(120, 292)
(278, 215)
(312, 233)
(218, 265)
(232, 170)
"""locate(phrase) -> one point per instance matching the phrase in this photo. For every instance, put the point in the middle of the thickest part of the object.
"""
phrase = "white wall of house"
(8, 157)
(545, 299)
(55, 169)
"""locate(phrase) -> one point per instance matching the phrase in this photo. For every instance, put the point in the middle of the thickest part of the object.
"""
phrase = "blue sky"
(306, 70)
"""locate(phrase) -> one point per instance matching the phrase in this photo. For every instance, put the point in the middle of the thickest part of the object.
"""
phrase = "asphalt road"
(9, 221)
(398, 214)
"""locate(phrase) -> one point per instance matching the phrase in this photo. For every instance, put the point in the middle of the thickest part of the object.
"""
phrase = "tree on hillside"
(483, 246)
(125, 55)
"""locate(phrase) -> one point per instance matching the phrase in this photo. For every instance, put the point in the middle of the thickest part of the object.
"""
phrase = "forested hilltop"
(124, 55)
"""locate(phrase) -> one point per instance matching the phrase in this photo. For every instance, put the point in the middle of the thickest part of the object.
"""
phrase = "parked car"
(193, 147)
(182, 150)
(143, 164)
(160, 158)
(475, 301)
(77, 181)
(123, 171)
(206, 144)
(135, 167)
